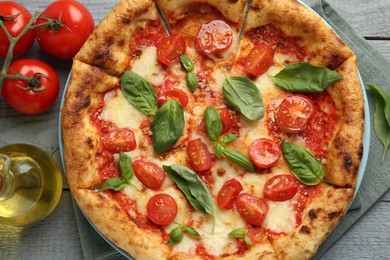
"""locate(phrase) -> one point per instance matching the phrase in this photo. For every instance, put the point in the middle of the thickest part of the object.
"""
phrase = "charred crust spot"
(125, 20)
(360, 153)
(313, 214)
(137, 54)
(121, 43)
(221, 172)
(305, 230)
(347, 162)
(232, 1)
(334, 214)
(255, 7)
(89, 142)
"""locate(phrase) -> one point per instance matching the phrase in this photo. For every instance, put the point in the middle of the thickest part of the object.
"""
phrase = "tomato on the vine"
(15, 26)
(66, 41)
(24, 96)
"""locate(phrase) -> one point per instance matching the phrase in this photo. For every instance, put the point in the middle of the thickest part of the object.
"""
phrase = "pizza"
(213, 129)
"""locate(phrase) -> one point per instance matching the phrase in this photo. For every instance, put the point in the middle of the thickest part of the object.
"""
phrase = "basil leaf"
(381, 117)
(304, 77)
(192, 81)
(175, 236)
(167, 126)
(305, 167)
(125, 166)
(228, 138)
(238, 233)
(114, 183)
(247, 240)
(187, 62)
(139, 92)
(244, 96)
(240, 159)
(213, 123)
(192, 186)
(219, 148)
(191, 230)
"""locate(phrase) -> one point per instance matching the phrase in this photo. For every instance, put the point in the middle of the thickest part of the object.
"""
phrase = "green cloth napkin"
(374, 68)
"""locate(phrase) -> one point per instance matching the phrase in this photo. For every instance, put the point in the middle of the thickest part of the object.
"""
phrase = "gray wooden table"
(57, 236)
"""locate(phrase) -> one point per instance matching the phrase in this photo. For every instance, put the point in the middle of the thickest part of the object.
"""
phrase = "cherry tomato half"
(200, 157)
(175, 94)
(15, 27)
(251, 208)
(149, 174)
(65, 42)
(264, 152)
(294, 113)
(226, 119)
(170, 49)
(280, 187)
(31, 100)
(259, 59)
(214, 37)
(119, 140)
(228, 193)
(162, 209)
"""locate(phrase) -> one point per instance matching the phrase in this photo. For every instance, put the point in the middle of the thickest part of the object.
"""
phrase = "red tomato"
(170, 49)
(294, 113)
(251, 208)
(15, 27)
(175, 94)
(200, 157)
(65, 42)
(264, 152)
(259, 59)
(228, 194)
(226, 119)
(215, 36)
(119, 140)
(280, 187)
(162, 209)
(149, 174)
(33, 100)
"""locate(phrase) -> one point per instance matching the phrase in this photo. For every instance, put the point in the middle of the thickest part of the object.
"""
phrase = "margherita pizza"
(213, 129)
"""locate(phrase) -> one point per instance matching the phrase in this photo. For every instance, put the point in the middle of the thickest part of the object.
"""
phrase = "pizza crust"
(319, 218)
(108, 47)
(297, 20)
(80, 137)
(344, 156)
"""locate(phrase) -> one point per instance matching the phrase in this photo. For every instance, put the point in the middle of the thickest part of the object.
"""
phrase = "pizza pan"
(363, 163)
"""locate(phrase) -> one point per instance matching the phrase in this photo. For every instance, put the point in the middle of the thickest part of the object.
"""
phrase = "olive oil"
(30, 184)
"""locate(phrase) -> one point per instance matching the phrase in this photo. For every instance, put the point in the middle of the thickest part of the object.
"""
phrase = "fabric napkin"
(374, 68)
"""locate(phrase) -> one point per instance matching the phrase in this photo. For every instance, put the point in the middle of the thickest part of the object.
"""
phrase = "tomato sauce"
(304, 196)
(150, 35)
(202, 252)
(280, 42)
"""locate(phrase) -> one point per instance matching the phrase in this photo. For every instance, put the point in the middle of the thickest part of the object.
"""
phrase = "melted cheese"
(280, 217)
(148, 67)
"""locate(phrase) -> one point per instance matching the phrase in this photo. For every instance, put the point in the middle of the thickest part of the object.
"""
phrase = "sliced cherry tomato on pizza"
(214, 37)
(251, 208)
(175, 94)
(162, 209)
(226, 119)
(15, 25)
(259, 59)
(294, 113)
(200, 157)
(170, 49)
(264, 152)
(119, 140)
(150, 174)
(228, 194)
(280, 187)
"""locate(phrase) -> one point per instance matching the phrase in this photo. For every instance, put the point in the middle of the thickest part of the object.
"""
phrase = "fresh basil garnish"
(305, 167)
(114, 183)
(190, 230)
(167, 126)
(238, 158)
(381, 117)
(213, 123)
(304, 77)
(244, 96)
(193, 188)
(175, 236)
(228, 138)
(219, 148)
(192, 81)
(187, 62)
(125, 166)
(139, 92)
(239, 233)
